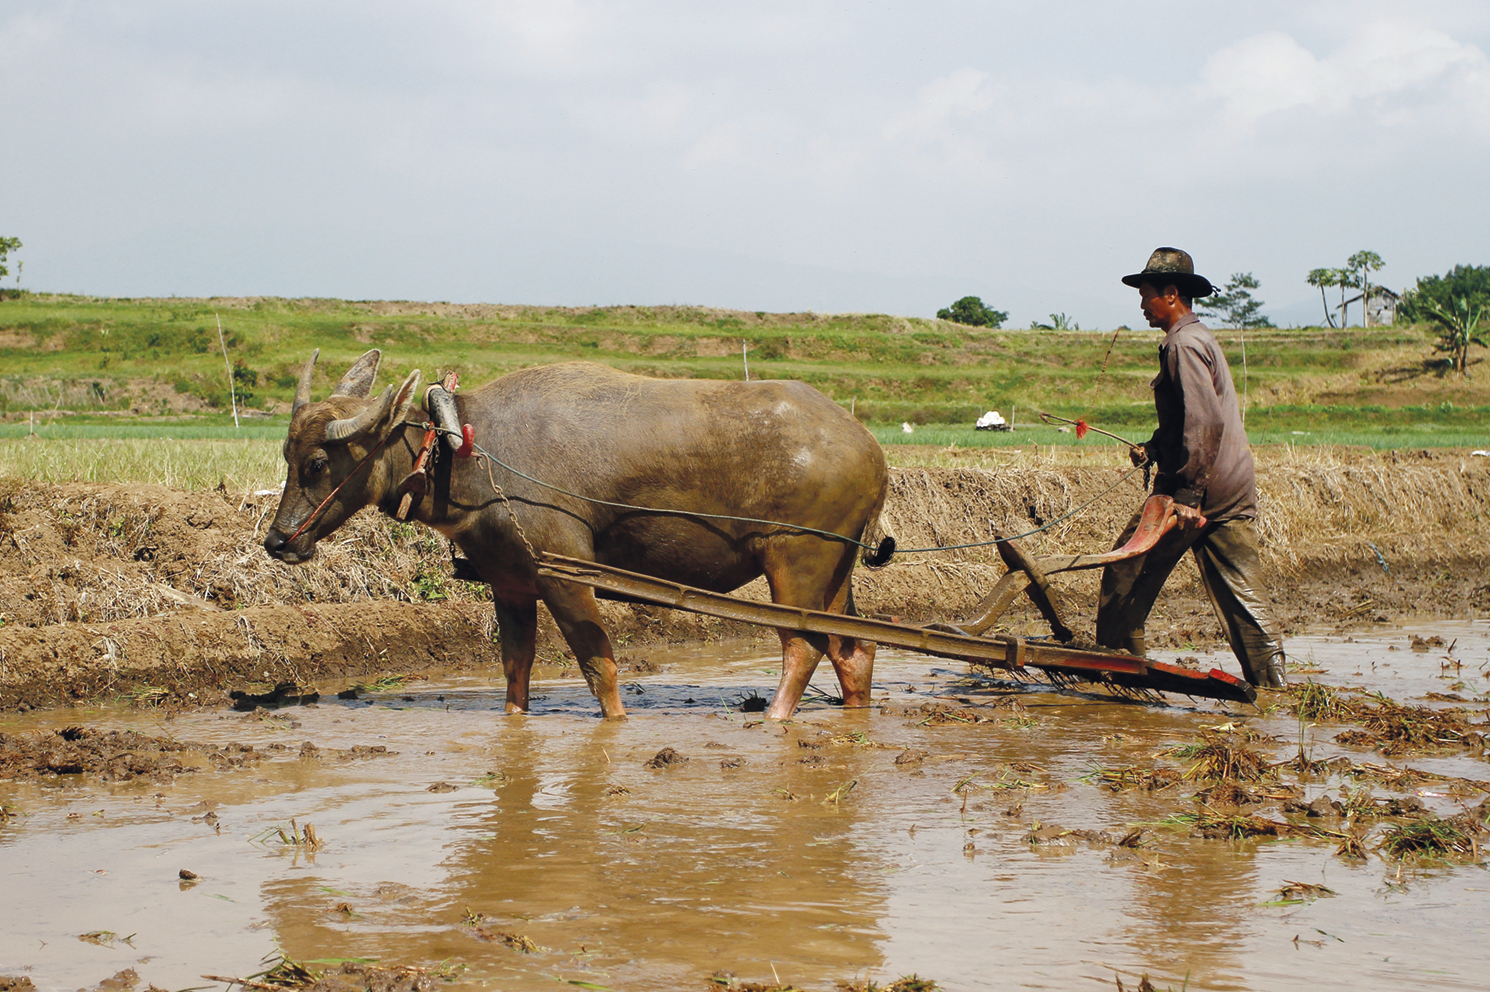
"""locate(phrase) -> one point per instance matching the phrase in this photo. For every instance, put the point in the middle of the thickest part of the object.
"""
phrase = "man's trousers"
(1229, 567)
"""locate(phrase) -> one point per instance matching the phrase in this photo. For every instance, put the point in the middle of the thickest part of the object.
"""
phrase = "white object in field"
(1481, 454)
(990, 419)
(906, 427)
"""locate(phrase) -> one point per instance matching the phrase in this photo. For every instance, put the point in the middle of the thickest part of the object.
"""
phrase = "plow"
(1057, 659)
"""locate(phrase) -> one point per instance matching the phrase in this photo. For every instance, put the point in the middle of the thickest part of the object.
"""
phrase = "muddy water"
(801, 851)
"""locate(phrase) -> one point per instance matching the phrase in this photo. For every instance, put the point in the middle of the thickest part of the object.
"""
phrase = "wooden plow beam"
(1061, 663)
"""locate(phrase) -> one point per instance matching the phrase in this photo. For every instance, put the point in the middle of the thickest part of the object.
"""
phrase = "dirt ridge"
(110, 590)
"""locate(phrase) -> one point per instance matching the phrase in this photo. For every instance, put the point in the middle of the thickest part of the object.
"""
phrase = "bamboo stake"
(232, 393)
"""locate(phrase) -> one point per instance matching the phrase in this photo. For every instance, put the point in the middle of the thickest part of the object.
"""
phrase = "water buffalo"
(770, 450)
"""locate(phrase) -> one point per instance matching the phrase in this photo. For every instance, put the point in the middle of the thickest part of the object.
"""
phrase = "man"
(1205, 463)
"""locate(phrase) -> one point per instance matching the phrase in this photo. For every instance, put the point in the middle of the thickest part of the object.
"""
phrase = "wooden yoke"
(1031, 575)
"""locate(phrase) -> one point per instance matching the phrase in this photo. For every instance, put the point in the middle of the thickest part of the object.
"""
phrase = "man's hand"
(1189, 516)
(1138, 454)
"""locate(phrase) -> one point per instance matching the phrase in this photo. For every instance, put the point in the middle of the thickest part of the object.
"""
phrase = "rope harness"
(879, 556)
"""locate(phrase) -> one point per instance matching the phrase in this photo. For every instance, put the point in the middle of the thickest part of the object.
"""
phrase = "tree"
(7, 245)
(1360, 266)
(1471, 282)
(1235, 305)
(1457, 304)
(971, 310)
(1324, 278)
(1458, 327)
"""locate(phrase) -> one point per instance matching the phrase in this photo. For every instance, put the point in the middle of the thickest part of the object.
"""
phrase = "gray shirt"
(1201, 446)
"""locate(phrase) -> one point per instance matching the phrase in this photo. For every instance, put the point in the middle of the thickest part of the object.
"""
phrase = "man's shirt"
(1201, 446)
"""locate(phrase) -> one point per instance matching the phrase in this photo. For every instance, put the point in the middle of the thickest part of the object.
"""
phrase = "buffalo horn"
(442, 408)
(340, 430)
(302, 389)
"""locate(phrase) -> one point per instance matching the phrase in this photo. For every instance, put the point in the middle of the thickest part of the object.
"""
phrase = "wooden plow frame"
(1058, 660)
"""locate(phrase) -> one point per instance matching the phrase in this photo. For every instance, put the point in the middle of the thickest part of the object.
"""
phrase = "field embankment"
(108, 361)
(149, 591)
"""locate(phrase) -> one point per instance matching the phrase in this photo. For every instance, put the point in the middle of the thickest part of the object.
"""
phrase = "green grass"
(265, 429)
(239, 465)
(129, 366)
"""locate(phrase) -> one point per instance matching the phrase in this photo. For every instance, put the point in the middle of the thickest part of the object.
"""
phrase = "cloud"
(942, 103)
(1387, 67)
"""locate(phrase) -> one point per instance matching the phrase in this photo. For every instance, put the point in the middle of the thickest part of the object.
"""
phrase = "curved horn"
(302, 389)
(340, 430)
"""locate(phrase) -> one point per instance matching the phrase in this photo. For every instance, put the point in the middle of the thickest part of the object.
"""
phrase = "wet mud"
(973, 831)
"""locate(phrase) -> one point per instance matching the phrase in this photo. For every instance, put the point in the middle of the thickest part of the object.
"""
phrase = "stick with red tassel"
(1082, 427)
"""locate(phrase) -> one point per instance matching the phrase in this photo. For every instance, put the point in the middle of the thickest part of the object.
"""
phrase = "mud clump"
(283, 694)
(351, 976)
(1220, 826)
(666, 758)
(124, 755)
(1228, 793)
(940, 714)
(111, 756)
(16, 984)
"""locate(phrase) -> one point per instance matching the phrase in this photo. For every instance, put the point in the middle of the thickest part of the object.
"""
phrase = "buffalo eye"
(317, 465)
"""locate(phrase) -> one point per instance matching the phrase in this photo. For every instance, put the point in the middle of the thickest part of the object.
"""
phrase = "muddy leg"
(803, 573)
(798, 661)
(517, 627)
(578, 618)
(852, 658)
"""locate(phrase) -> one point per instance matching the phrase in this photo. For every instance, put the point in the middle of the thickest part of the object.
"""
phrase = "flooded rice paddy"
(555, 850)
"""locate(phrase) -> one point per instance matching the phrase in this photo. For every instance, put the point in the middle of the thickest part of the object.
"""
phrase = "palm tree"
(1323, 278)
(1360, 266)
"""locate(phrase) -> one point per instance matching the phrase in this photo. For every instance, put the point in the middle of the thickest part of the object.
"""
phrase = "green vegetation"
(970, 310)
(132, 370)
(8, 245)
(1467, 282)
(1234, 305)
(1456, 304)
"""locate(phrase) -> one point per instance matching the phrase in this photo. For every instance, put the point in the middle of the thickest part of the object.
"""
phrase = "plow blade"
(1016, 654)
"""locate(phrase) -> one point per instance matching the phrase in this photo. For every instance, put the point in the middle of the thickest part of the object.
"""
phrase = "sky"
(862, 157)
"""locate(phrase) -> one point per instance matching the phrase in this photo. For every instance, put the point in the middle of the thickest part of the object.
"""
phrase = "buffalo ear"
(405, 399)
(381, 415)
(359, 378)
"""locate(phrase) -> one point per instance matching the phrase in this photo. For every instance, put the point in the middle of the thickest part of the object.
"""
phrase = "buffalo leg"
(852, 657)
(578, 617)
(803, 579)
(517, 628)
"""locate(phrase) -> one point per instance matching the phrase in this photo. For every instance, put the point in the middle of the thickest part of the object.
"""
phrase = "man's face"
(1160, 306)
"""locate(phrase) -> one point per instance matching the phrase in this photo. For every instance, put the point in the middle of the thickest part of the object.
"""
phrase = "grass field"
(91, 368)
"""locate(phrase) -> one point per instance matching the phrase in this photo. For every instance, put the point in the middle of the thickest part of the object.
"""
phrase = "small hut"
(1381, 306)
